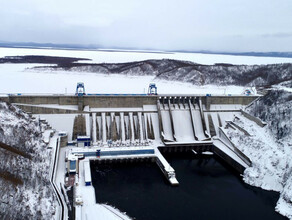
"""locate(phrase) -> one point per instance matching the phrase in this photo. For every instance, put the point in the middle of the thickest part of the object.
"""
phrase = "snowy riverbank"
(269, 147)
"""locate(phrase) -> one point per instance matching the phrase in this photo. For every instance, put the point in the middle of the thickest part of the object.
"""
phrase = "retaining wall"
(253, 118)
(226, 139)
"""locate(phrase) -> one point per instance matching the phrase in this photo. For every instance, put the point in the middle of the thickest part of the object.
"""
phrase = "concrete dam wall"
(120, 101)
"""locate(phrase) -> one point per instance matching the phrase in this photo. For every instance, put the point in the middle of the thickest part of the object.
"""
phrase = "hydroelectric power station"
(111, 128)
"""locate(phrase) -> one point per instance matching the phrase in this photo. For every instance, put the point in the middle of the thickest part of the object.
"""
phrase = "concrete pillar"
(122, 127)
(211, 126)
(114, 130)
(80, 103)
(103, 127)
(159, 119)
(79, 126)
(140, 127)
(192, 118)
(208, 102)
(94, 127)
(171, 120)
(63, 141)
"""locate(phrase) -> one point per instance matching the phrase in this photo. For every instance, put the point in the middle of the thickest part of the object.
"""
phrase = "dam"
(169, 122)
(126, 128)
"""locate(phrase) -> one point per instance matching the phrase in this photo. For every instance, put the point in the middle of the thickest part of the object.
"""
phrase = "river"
(208, 189)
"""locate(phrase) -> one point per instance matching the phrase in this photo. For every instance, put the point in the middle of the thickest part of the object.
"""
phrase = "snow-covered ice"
(60, 82)
(39, 81)
(128, 56)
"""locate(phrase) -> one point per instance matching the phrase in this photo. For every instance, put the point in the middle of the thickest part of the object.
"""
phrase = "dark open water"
(208, 190)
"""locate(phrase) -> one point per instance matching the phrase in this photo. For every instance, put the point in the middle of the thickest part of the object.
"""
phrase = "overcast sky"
(218, 25)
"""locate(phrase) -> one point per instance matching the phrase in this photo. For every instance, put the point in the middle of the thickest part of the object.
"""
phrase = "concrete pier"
(165, 167)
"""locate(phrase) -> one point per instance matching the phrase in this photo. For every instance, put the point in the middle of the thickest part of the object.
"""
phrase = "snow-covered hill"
(120, 56)
(185, 71)
(269, 147)
(276, 109)
(26, 192)
(166, 69)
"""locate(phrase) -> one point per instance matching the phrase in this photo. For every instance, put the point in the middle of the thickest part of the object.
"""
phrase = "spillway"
(183, 128)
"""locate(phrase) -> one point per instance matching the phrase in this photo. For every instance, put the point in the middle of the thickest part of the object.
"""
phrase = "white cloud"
(163, 24)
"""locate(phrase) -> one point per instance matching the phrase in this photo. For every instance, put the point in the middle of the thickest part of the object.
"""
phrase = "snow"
(225, 107)
(58, 170)
(149, 108)
(123, 136)
(227, 116)
(61, 166)
(131, 124)
(166, 124)
(155, 122)
(140, 127)
(284, 206)
(47, 135)
(56, 106)
(262, 150)
(127, 56)
(164, 162)
(270, 159)
(32, 196)
(199, 131)
(207, 153)
(271, 169)
(182, 123)
(94, 128)
(61, 82)
(227, 149)
(215, 120)
(60, 122)
(206, 122)
(87, 174)
(103, 123)
(87, 124)
(282, 88)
